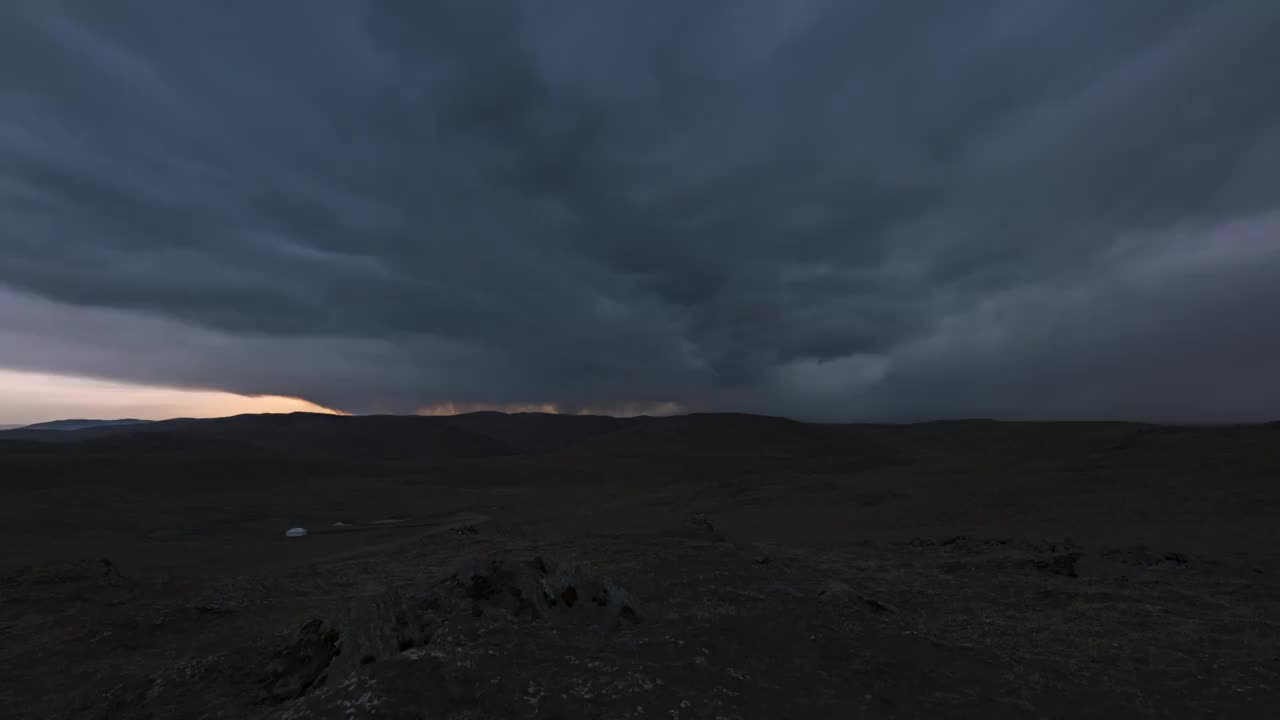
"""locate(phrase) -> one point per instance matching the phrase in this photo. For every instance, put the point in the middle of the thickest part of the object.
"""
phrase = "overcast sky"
(827, 209)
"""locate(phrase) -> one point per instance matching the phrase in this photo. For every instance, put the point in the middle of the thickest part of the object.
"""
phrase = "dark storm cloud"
(828, 209)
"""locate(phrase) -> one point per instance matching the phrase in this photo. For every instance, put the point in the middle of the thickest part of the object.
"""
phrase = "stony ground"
(721, 588)
(678, 623)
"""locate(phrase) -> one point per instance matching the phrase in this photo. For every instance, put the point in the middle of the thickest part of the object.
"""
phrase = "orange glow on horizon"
(28, 397)
(32, 397)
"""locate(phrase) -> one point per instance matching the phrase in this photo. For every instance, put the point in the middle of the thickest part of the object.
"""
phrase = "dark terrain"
(706, 566)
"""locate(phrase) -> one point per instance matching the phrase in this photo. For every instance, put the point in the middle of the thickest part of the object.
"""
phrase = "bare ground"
(944, 570)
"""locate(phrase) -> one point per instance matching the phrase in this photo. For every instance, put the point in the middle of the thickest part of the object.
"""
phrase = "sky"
(824, 209)
(36, 397)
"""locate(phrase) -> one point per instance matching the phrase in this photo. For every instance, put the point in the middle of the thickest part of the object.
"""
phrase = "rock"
(359, 696)
(376, 628)
(369, 641)
(302, 664)
(1001, 546)
(220, 603)
(1128, 562)
(540, 589)
(785, 589)
(396, 690)
(448, 649)
(839, 593)
(96, 582)
(1144, 557)
(1061, 564)
(363, 630)
(183, 672)
(700, 527)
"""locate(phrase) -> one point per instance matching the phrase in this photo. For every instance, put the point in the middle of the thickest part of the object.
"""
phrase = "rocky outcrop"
(389, 654)
(540, 589)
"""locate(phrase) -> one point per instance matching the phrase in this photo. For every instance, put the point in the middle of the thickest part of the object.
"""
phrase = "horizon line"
(934, 420)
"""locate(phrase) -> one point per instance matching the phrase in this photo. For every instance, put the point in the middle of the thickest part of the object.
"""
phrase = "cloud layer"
(832, 210)
(38, 397)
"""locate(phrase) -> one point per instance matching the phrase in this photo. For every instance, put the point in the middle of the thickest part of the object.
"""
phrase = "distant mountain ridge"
(77, 424)
(409, 438)
(703, 441)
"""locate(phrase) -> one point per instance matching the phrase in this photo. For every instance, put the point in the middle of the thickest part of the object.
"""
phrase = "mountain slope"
(72, 425)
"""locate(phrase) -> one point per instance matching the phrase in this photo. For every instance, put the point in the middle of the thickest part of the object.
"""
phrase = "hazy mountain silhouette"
(71, 425)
